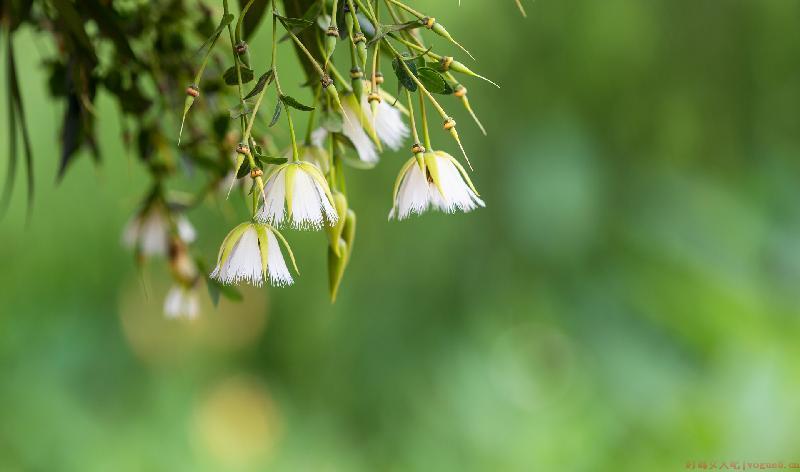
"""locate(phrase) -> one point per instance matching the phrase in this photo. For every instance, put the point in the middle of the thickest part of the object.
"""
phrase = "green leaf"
(265, 79)
(253, 17)
(276, 114)
(273, 160)
(402, 74)
(295, 24)
(232, 78)
(290, 101)
(384, 30)
(72, 20)
(432, 80)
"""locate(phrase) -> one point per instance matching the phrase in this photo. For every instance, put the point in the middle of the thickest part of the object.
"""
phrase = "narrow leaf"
(290, 101)
(265, 79)
(276, 115)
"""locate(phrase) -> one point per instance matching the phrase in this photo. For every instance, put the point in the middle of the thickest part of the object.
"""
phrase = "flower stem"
(425, 131)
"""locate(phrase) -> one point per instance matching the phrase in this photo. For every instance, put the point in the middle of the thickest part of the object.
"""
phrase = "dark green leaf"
(290, 101)
(107, 20)
(402, 74)
(244, 169)
(432, 80)
(272, 160)
(276, 115)
(253, 17)
(231, 77)
(74, 24)
(295, 24)
(263, 81)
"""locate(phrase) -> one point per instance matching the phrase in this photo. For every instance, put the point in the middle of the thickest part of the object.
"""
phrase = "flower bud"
(331, 38)
(336, 266)
(357, 81)
(192, 91)
(349, 234)
(243, 149)
(378, 78)
(241, 48)
(330, 89)
(361, 48)
(335, 231)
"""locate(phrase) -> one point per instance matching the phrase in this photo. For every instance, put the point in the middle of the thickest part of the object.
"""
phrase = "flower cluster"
(343, 45)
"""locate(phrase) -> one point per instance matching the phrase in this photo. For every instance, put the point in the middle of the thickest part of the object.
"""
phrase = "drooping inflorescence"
(352, 119)
(290, 163)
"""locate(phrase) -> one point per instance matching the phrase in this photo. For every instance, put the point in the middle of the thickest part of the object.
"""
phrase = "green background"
(628, 300)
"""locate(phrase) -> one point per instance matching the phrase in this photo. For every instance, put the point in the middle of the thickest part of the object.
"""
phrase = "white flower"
(251, 253)
(436, 181)
(305, 193)
(356, 126)
(388, 123)
(353, 126)
(181, 302)
(149, 231)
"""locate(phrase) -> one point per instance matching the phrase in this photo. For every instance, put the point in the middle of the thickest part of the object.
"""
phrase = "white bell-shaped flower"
(182, 302)
(297, 192)
(251, 254)
(357, 127)
(436, 181)
(388, 123)
(149, 232)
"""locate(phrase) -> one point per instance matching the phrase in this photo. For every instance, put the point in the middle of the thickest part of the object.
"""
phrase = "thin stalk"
(425, 131)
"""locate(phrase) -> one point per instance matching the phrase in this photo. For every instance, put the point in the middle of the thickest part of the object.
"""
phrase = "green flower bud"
(330, 89)
(331, 38)
(357, 81)
(349, 234)
(335, 232)
(336, 267)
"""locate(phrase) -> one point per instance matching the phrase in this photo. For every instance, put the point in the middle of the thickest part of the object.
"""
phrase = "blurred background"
(627, 301)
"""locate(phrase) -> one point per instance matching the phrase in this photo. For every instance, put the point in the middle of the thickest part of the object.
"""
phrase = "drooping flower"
(297, 192)
(182, 302)
(388, 123)
(150, 231)
(357, 127)
(436, 181)
(251, 253)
